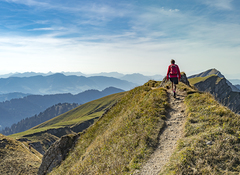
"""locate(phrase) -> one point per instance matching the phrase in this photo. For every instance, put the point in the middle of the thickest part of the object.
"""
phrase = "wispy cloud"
(30, 3)
(84, 34)
(219, 4)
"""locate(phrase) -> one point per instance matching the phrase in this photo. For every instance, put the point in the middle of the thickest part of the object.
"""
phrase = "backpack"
(174, 70)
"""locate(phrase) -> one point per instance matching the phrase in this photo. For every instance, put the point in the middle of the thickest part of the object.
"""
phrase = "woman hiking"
(174, 74)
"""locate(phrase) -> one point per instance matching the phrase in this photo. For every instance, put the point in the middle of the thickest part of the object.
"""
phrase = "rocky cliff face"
(222, 91)
(218, 73)
(59, 150)
(57, 153)
(183, 79)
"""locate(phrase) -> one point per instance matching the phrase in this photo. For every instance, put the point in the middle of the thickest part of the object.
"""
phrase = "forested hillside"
(17, 109)
(35, 120)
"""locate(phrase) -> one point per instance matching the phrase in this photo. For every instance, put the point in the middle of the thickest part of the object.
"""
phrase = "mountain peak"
(208, 72)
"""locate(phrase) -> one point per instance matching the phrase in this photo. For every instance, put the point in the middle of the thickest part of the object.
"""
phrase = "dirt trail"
(170, 135)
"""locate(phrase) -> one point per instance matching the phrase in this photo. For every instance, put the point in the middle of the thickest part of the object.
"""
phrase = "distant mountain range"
(237, 86)
(5, 97)
(17, 109)
(235, 81)
(60, 83)
(135, 78)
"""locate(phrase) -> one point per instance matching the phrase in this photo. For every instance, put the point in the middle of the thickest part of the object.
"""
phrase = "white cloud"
(156, 35)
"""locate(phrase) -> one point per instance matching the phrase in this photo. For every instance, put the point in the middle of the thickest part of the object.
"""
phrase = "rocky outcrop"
(59, 150)
(37, 146)
(217, 73)
(3, 143)
(183, 79)
(220, 89)
(57, 153)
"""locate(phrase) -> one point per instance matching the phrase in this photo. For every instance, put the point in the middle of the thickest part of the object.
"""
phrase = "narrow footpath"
(170, 135)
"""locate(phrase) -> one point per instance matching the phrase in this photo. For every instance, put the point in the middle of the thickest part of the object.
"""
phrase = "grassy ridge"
(202, 79)
(211, 144)
(15, 158)
(123, 139)
(75, 116)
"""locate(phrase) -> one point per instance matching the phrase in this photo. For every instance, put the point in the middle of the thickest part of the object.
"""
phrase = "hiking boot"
(174, 94)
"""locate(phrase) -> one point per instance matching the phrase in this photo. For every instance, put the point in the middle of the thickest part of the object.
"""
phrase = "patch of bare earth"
(168, 138)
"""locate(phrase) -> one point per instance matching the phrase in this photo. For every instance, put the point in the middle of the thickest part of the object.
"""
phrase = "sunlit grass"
(211, 144)
(123, 139)
(75, 116)
(202, 79)
(16, 158)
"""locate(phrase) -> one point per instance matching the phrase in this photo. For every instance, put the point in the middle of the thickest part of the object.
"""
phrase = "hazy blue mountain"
(30, 74)
(157, 77)
(108, 74)
(140, 79)
(136, 78)
(35, 120)
(6, 75)
(235, 81)
(74, 73)
(59, 83)
(5, 97)
(17, 109)
(237, 86)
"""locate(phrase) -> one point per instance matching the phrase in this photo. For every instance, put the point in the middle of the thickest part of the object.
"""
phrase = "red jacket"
(173, 75)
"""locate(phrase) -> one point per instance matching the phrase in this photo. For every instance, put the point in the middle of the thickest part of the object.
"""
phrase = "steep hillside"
(123, 138)
(17, 158)
(220, 89)
(211, 72)
(48, 114)
(73, 121)
(210, 144)
(17, 109)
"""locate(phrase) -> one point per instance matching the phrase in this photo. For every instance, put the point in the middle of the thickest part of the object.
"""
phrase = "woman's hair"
(173, 61)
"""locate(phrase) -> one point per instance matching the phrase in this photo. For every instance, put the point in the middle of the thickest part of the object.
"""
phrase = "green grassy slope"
(202, 79)
(75, 116)
(123, 139)
(15, 158)
(211, 143)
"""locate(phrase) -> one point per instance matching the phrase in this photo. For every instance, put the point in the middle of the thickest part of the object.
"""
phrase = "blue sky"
(137, 36)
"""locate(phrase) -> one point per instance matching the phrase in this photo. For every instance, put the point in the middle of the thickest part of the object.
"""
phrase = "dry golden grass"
(16, 158)
(123, 139)
(211, 144)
